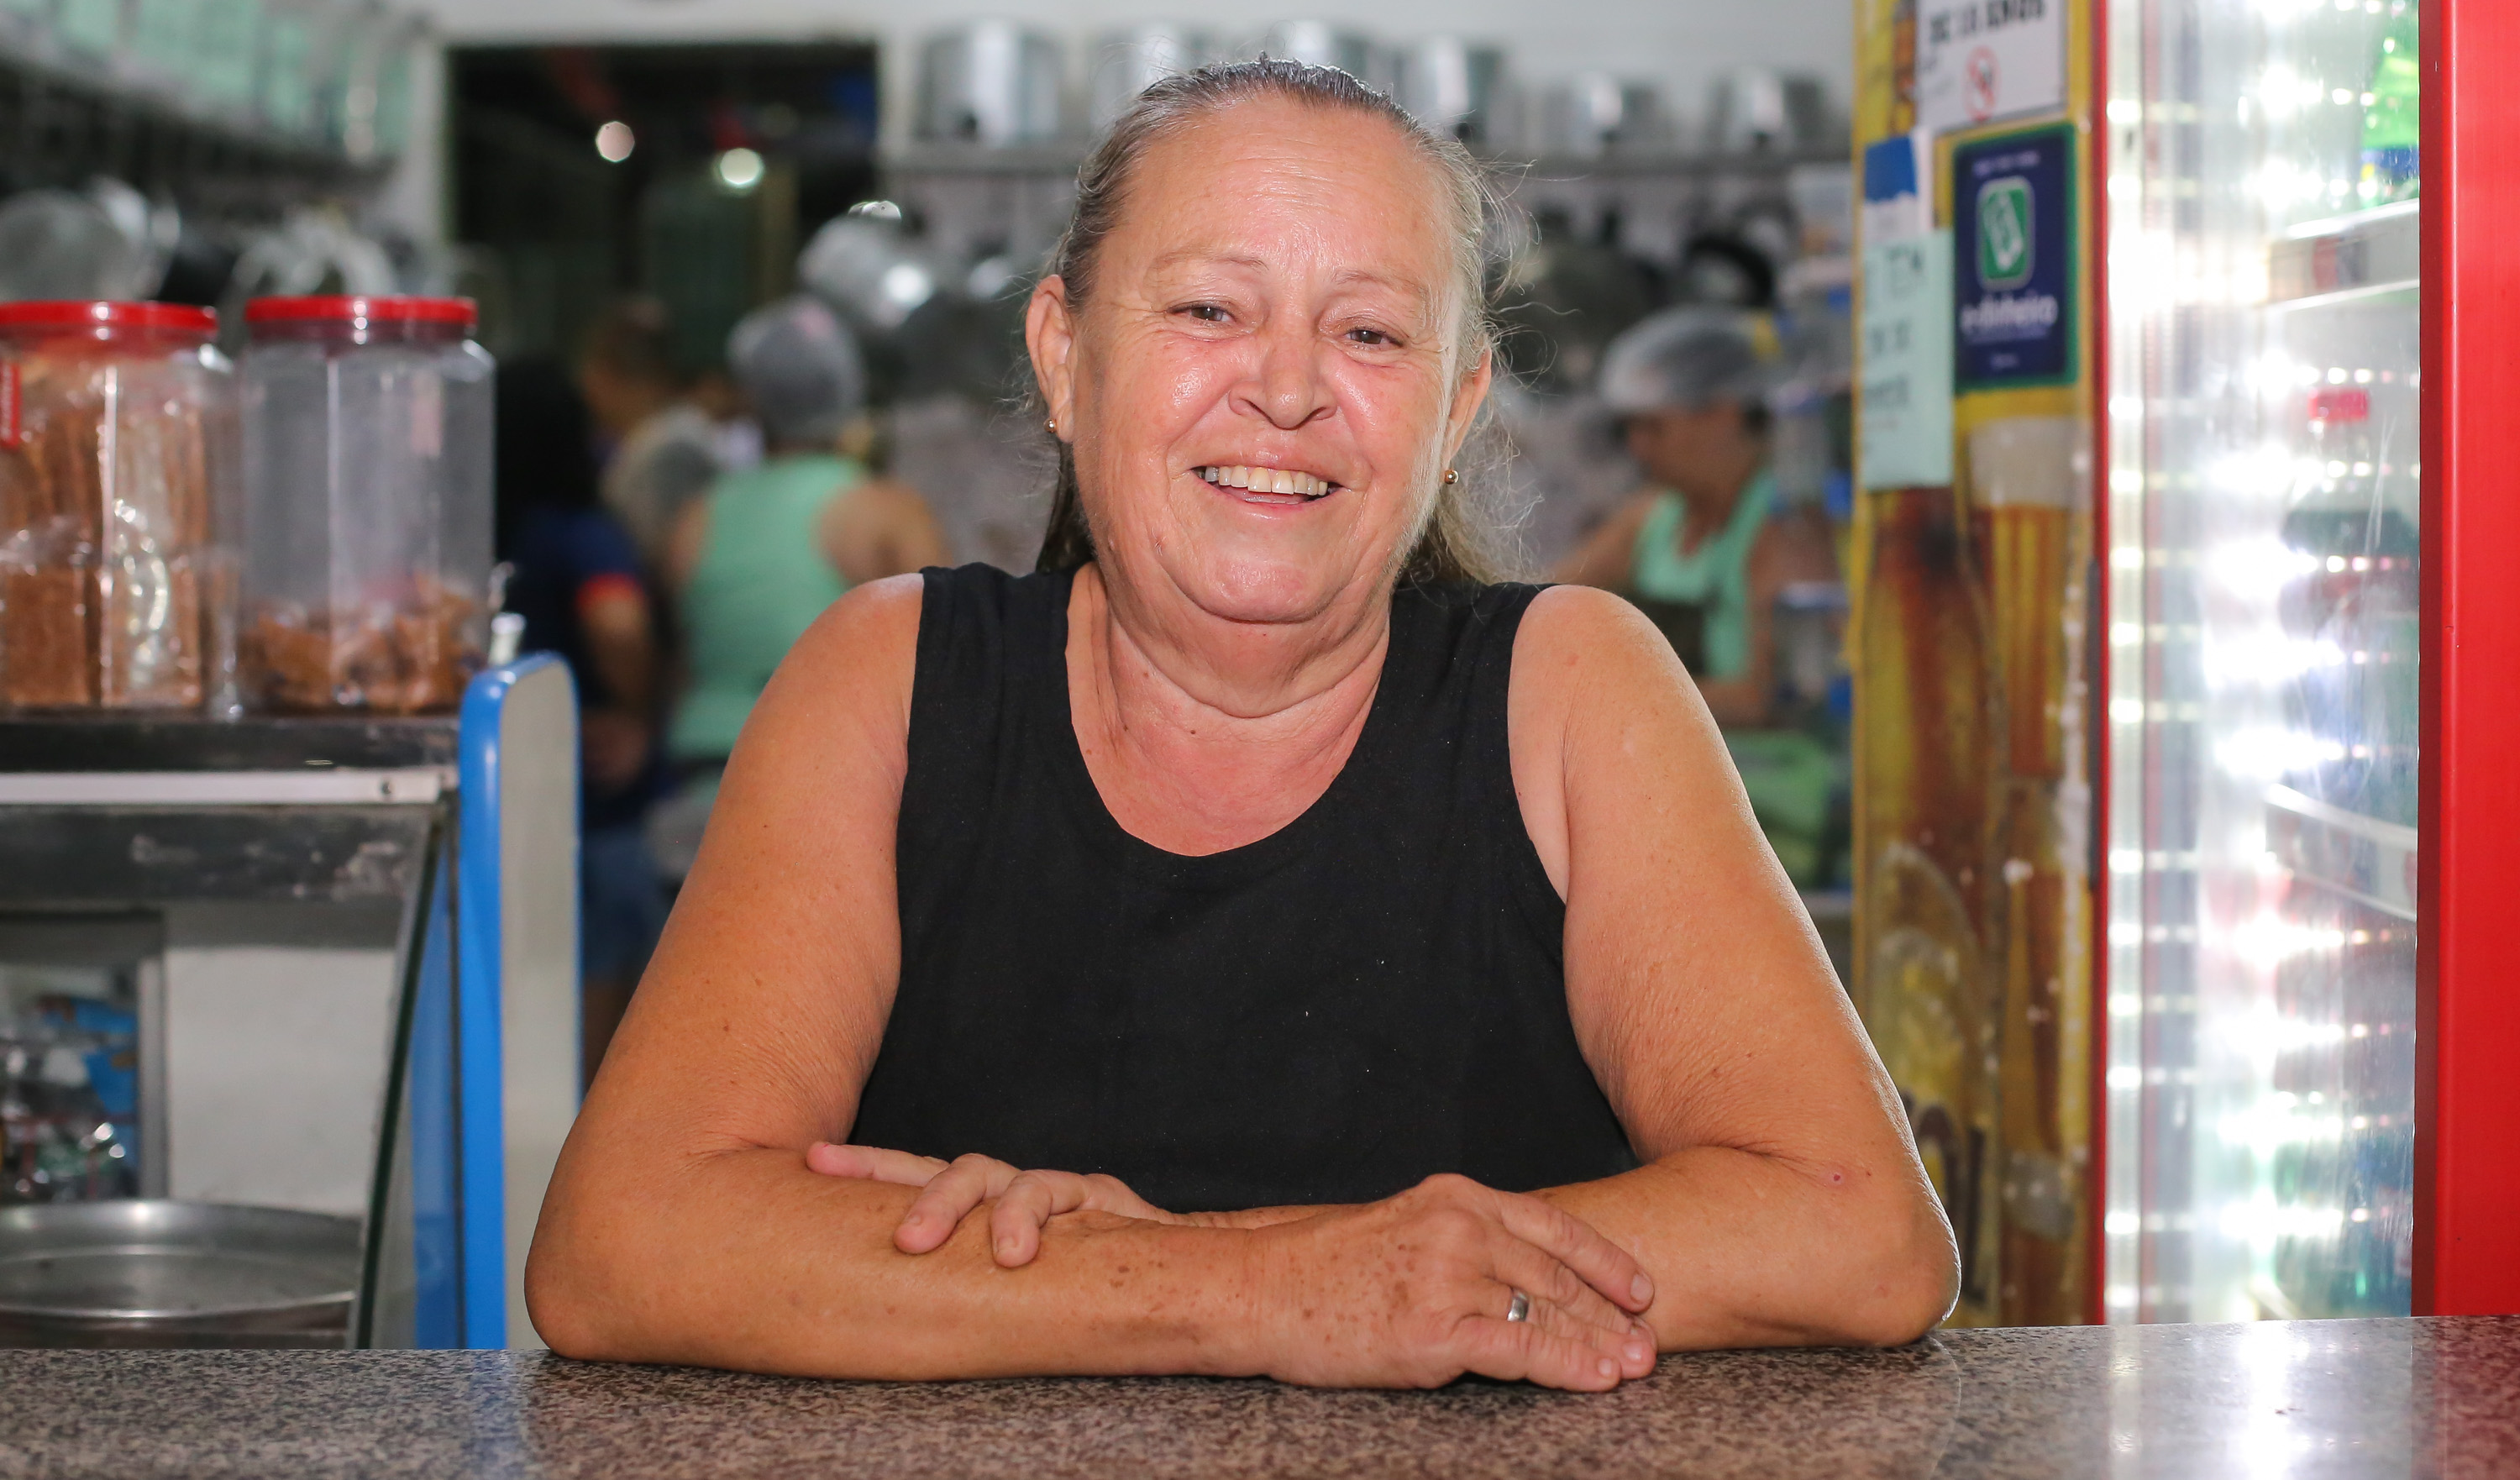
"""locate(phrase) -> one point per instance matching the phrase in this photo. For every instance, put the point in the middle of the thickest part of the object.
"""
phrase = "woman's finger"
(1031, 1200)
(948, 1198)
(872, 1163)
(1554, 1287)
(1578, 1245)
(1522, 1351)
(1035, 1197)
(1623, 1345)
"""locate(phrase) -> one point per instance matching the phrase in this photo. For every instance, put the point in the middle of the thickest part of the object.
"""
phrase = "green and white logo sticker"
(2003, 255)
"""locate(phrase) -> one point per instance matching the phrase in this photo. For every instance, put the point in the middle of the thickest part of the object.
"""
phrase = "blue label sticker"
(1890, 169)
(2013, 220)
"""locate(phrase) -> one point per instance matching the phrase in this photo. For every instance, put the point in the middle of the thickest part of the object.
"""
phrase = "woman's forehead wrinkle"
(1200, 256)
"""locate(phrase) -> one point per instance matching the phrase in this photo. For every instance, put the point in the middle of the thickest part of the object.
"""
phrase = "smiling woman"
(1256, 942)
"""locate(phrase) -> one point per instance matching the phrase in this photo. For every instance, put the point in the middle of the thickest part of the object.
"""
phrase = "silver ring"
(1521, 1309)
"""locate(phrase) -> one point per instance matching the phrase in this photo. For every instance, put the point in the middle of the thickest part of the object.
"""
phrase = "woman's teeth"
(1269, 480)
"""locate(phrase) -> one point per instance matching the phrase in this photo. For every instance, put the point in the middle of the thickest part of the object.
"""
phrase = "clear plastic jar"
(118, 509)
(366, 477)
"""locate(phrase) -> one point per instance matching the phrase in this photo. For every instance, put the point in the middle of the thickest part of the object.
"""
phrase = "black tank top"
(1370, 995)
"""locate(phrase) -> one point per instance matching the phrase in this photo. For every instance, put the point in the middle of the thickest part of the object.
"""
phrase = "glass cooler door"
(2262, 622)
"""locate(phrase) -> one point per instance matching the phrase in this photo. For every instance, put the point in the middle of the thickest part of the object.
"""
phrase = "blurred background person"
(1706, 548)
(1703, 548)
(753, 563)
(577, 580)
(663, 445)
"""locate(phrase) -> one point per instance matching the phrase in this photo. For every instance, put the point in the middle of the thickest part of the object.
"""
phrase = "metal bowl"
(146, 1272)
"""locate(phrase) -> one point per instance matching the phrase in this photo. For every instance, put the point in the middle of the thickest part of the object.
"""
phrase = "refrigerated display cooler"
(2266, 635)
(2185, 648)
(2292, 1084)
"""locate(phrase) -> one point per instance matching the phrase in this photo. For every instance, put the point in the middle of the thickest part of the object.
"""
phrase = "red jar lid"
(181, 318)
(340, 308)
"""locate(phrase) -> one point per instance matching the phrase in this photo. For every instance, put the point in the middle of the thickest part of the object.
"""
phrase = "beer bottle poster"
(2013, 249)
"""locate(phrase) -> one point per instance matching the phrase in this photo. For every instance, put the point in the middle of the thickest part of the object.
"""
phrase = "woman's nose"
(1287, 384)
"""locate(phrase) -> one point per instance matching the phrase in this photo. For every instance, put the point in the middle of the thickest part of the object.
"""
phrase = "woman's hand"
(1025, 1200)
(1413, 1291)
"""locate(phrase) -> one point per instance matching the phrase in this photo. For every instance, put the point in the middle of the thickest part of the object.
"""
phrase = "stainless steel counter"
(2345, 1398)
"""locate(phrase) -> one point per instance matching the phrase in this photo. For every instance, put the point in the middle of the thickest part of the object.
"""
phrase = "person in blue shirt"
(577, 580)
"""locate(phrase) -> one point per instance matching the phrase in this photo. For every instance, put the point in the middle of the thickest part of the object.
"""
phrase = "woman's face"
(1275, 308)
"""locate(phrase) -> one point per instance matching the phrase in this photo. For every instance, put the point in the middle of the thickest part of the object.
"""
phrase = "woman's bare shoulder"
(875, 627)
(1582, 645)
(847, 678)
(1597, 707)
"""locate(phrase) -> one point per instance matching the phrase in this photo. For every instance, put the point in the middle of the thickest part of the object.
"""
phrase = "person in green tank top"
(754, 561)
(1703, 548)
(1704, 551)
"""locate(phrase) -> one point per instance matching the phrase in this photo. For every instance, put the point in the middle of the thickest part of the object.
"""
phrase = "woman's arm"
(1783, 1200)
(881, 527)
(685, 543)
(684, 1225)
(1782, 555)
(1609, 555)
(621, 648)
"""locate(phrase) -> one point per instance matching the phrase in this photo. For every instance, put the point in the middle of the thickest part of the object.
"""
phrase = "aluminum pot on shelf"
(991, 82)
(1595, 113)
(156, 1273)
(1458, 87)
(1127, 61)
(1757, 110)
(107, 241)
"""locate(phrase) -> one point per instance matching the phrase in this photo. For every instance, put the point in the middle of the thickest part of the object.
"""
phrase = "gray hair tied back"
(1462, 540)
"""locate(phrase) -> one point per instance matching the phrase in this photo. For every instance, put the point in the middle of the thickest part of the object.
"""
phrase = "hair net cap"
(1689, 357)
(802, 369)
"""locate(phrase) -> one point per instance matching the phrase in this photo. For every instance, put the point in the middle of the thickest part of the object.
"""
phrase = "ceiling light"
(738, 170)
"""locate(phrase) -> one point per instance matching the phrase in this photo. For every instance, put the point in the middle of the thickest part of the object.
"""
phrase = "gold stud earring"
(1452, 475)
(1051, 426)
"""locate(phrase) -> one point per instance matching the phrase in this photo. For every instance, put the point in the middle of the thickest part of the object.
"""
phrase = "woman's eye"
(1373, 336)
(1206, 313)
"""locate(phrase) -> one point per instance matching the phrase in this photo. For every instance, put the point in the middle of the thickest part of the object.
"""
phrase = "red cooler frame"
(2467, 1022)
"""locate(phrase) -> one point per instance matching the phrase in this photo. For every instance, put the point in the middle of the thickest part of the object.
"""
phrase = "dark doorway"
(551, 227)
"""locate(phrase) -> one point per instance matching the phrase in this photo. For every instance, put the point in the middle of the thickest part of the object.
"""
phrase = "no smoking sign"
(1979, 77)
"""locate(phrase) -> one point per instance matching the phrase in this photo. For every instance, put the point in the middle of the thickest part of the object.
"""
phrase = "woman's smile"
(1261, 484)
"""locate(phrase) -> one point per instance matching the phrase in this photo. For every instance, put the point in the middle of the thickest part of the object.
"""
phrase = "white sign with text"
(1980, 61)
(1905, 438)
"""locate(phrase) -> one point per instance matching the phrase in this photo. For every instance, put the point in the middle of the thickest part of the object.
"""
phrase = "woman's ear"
(1049, 337)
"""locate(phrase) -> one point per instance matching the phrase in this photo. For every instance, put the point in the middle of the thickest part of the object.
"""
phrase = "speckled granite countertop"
(2343, 1398)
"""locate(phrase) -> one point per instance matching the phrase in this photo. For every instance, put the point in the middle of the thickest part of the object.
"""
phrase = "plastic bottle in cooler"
(2393, 120)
